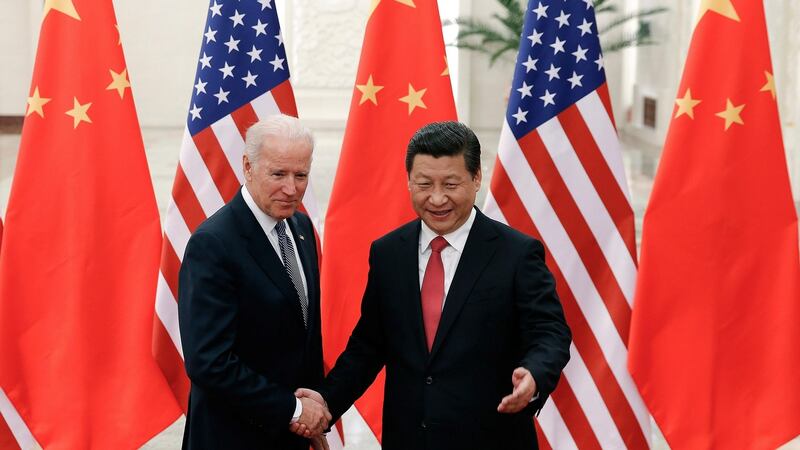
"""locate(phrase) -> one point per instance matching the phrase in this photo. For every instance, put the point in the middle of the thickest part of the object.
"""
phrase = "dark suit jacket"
(244, 342)
(501, 312)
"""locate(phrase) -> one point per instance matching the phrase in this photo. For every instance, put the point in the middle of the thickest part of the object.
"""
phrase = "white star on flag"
(580, 54)
(541, 11)
(227, 71)
(575, 80)
(525, 90)
(552, 72)
(530, 64)
(250, 79)
(261, 28)
(200, 86)
(520, 115)
(222, 96)
(535, 37)
(558, 46)
(205, 61)
(277, 63)
(548, 98)
(255, 54)
(195, 112)
(232, 45)
(237, 18)
(215, 9)
(563, 19)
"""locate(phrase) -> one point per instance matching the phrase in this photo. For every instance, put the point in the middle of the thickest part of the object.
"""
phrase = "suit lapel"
(261, 249)
(478, 251)
(408, 264)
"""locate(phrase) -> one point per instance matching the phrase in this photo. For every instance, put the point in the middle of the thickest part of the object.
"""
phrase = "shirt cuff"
(535, 397)
(298, 411)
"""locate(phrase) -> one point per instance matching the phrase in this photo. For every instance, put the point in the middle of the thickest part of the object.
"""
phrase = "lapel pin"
(301, 237)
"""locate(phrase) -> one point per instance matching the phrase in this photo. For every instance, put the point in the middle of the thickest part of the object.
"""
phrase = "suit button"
(429, 380)
(423, 425)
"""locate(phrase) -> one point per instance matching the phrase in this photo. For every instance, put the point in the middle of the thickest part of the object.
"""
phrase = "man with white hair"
(249, 304)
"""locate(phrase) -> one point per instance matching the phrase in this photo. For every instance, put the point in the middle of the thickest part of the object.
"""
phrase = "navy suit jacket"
(501, 312)
(244, 342)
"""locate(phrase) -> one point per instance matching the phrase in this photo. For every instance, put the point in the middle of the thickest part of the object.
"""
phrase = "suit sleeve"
(364, 356)
(208, 310)
(543, 330)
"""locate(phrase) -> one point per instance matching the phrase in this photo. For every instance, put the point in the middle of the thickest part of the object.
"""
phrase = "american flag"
(559, 177)
(242, 76)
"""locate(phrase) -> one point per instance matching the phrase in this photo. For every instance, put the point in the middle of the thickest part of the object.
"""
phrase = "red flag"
(7, 440)
(402, 84)
(81, 248)
(713, 346)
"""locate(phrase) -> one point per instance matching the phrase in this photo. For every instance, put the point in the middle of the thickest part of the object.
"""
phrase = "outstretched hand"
(524, 389)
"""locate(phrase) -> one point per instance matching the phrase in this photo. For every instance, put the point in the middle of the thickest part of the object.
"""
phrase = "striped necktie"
(292, 269)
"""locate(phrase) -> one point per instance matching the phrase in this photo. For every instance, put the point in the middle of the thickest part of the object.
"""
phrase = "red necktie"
(432, 292)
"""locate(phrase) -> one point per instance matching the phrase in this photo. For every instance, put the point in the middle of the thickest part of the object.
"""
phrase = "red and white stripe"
(209, 174)
(565, 184)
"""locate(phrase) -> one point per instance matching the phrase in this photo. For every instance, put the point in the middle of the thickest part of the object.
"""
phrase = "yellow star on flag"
(119, 82)
(686, 104)
(446, 70)
(414, 99)
(63, 6)
(79, 113)
(36, 103)
(368, 91)
(770, 86)
(722, 7)
(732, 114)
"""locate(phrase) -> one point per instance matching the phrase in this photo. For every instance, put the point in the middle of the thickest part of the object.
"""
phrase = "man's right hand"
(314, 418)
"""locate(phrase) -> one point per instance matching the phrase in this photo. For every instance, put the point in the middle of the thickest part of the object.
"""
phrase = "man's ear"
(246, 166)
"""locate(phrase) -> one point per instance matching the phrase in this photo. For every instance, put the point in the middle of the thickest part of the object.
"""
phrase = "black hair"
(447, 138)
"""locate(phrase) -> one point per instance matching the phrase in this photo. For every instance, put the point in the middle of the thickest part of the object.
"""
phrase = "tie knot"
(280, 227)
(438, 244)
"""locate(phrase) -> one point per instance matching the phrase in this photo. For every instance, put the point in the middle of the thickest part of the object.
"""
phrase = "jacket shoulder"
(514, 237)
(407, 231)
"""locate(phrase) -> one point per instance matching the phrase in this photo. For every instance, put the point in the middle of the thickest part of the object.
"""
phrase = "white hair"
(278, 125)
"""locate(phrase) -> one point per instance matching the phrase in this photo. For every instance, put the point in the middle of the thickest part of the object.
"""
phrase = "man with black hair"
(460, 309)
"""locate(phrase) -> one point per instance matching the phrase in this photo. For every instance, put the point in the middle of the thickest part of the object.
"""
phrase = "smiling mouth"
(439, 213)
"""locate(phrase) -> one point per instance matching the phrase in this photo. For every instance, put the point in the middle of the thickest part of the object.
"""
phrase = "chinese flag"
(714, 339)
(81, 247)
(7, 440)
(402, 84)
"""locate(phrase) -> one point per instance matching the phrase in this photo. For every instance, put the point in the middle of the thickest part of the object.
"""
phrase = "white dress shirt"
(268, 225)
(451, 254)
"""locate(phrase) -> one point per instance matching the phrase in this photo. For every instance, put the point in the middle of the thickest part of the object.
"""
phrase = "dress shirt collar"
(267, 222)
(457, 239)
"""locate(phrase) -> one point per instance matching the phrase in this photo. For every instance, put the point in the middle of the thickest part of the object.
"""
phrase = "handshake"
(314, 419)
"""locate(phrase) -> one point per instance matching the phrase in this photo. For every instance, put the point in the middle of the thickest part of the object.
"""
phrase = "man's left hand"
(524, 389)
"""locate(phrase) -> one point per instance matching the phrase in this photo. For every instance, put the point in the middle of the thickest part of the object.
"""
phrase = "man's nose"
(437, 197)
(289, 186)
